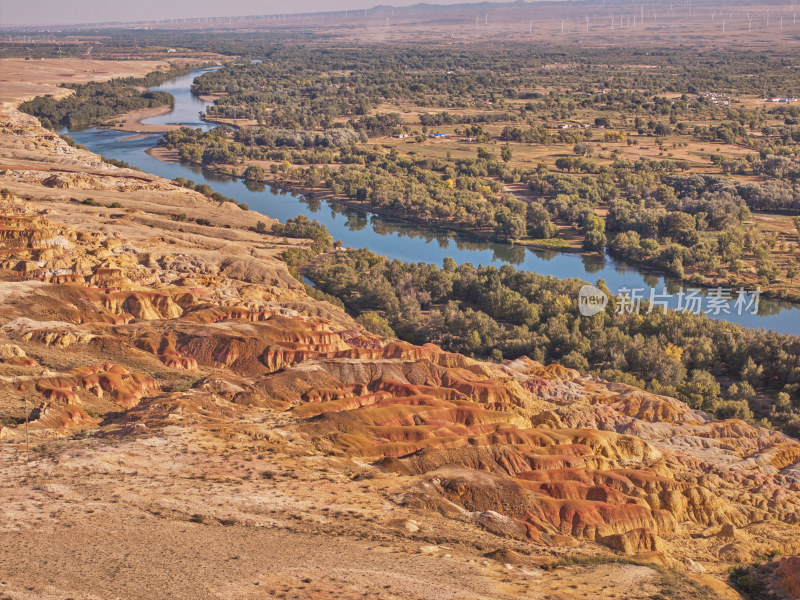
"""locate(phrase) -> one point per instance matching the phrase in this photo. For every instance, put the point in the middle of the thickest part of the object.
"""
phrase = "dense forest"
(428, 190)
(656, 214)
(486, 149)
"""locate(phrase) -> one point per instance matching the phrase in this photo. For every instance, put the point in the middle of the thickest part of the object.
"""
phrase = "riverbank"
(695, 279)
(164, 154)
(132, 121)
(393, 235)
(324, 194)
(235, 123)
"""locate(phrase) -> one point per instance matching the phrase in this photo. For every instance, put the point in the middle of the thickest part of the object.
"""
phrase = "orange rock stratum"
(193, 414)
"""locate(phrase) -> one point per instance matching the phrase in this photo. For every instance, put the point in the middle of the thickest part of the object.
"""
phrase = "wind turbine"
(30, 57)
(88, 53)
(60, 52)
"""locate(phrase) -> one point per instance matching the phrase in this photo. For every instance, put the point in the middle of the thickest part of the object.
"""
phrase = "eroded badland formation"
(199, 427)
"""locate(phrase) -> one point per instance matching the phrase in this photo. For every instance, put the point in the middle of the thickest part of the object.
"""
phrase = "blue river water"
(404, 241)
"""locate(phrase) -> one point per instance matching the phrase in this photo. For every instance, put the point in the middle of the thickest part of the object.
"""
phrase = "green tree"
(752, 372)
(484, 154)
(255, 173)
(784, 402)
(701, 391)
(792, 270)
(583, 149)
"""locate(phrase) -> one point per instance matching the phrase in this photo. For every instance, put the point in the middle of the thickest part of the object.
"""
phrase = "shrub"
(748, 584)
(375, 323)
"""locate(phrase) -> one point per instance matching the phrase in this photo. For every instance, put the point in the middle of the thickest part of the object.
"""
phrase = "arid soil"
(179, 419)
(22, 79)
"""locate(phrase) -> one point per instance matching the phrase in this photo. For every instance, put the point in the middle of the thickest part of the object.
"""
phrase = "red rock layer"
(521, 449)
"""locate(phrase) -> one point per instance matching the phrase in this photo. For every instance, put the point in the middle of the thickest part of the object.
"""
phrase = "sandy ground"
(159, 517)
(132, 121)
(22, 79)
(164, 154)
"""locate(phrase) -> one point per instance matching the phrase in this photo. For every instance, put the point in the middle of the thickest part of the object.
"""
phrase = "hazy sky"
(42, 12)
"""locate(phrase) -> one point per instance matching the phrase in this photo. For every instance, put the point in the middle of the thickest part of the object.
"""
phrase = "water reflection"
(357, 221)
(592, 264)
(255, 187)
(514, 255)
(215, 176)
(774, 307)
(672, 286)
(650, 279)
(545, 254)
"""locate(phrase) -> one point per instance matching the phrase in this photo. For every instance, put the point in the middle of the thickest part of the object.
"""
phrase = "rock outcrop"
(549, 451)
(125, 322)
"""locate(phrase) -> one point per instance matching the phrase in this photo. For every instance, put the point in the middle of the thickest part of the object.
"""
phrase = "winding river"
(393, 238)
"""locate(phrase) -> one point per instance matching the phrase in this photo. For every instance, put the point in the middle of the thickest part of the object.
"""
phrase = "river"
(394, 238)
